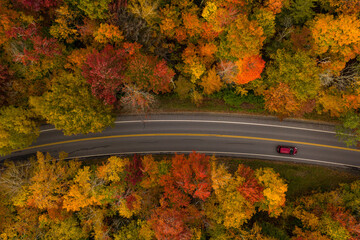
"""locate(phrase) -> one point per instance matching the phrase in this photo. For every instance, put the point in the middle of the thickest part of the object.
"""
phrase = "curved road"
(220, 134)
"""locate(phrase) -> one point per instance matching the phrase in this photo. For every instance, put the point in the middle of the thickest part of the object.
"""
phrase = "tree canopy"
(180, 196)
(133, 52)
(71, 107)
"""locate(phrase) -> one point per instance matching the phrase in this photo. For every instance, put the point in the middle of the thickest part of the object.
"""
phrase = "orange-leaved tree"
(281, 100)
(108, 33)
(211, 82)
(49, 183)
(337, 39)
(7, 20)
(192, 174)
(82, 192)
(170, 223)
(250, 68)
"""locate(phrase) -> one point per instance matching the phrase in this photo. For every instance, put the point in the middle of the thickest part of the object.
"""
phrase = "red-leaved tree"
(24, 33)
(104, 71)
(149, 73)
(250, 188)
(42, 48)
(172, 197)
(192, 174)
(169, 223)
(30, 47)
(134, 173)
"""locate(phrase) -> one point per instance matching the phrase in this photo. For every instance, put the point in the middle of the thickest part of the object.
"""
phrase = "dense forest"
(77, 63)
(184, 197)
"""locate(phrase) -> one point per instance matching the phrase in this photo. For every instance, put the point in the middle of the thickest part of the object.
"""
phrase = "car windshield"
(291, 151)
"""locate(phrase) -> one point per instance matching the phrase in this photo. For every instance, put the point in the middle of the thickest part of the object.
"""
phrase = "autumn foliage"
(18, 129)
(149, 73)
(75, 64)
(191, 174)
(211, 82)
(250, 68)
(242, 45)
(327, 38)
(173, 197)
(70, 106)
(108, 34)
(251, 188)
(110, 69)
(281, 100)
(328, 215)
(105, 72)
(130, 52)
(236, 196)
(168, 223)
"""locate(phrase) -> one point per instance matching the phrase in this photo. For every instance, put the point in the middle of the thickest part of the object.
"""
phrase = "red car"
(286, 150)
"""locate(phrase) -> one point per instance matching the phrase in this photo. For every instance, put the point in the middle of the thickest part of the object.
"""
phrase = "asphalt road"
(219, 134)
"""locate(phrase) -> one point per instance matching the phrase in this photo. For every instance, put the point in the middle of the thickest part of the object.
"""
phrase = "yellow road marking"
(188, 135)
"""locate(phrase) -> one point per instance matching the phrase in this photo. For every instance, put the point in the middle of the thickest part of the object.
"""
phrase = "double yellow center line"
(188, 135)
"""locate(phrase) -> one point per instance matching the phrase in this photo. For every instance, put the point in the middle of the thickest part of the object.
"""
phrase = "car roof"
(285, 150)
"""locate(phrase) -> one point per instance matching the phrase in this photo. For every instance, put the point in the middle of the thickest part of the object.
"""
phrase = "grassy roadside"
(172, 103)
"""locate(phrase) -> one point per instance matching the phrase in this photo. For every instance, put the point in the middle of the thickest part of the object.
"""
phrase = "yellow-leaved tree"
(64, 26)
(227, 205)
(244, 38)
(236, 197)
(147, 9)
(81, 193)
(150, 169)
(18, 128)
(71, 107)
(49, 182)
(211, 82)
(113, 170)
(116, 174)
(274, 191)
